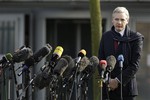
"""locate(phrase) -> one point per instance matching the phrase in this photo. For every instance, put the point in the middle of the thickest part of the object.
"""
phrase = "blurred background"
(67, 23)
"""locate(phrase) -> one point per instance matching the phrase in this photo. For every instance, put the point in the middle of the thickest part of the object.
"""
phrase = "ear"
(127, 21)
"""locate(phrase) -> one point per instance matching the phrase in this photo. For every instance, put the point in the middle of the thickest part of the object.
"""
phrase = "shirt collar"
(121, 32)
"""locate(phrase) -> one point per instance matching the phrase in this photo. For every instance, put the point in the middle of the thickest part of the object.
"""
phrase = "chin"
(119, 29)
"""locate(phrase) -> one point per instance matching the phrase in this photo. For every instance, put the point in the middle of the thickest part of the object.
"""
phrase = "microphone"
(111, 62)
(70, 65)
(69, 72)
(22, 54)
(44, 79)
(60, 67)
(37, 56)
(54, 58)
(103, 65)
(83, 64)
(90, 69)
(43, 52)
(121, 60)
(76, 70)
(57, 54)
(6, 58)
(81, 54)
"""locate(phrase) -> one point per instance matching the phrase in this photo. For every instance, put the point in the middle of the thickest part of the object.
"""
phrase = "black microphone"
(90, 69)
(44, 79)
(57, 73)
(74, 70)
(37, 56)
(43, 52)
(6, 58)
(60, 67)
(54, 58)
(22, 54)
(70, 65)
(81, 54)
(68, 73)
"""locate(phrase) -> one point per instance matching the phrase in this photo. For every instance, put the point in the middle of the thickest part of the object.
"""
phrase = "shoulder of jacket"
(136, 35)
(107, 33)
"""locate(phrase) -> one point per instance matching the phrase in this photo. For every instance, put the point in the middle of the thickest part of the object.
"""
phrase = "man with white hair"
(120, 40)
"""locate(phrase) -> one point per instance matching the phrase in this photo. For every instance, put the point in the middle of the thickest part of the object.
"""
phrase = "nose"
(119, 21)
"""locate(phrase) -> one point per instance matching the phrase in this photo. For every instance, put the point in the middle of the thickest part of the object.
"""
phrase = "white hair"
(121, 10)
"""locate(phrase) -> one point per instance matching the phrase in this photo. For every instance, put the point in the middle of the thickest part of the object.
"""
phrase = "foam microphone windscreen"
(71, 64)
(22, 55)
(60, 67)
(90, 69)
(111, 62)
(40, 54)
(94, 61)
(83, 63)
(42, 80)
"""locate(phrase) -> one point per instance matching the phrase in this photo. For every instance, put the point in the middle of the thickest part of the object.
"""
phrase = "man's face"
(119, 20)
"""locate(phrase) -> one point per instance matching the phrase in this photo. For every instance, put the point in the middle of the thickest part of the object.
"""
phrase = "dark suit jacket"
(130, 45)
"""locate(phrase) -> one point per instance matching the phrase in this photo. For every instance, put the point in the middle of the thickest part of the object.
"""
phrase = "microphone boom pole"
(103, 65)
(121, 59)
(81, 54)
